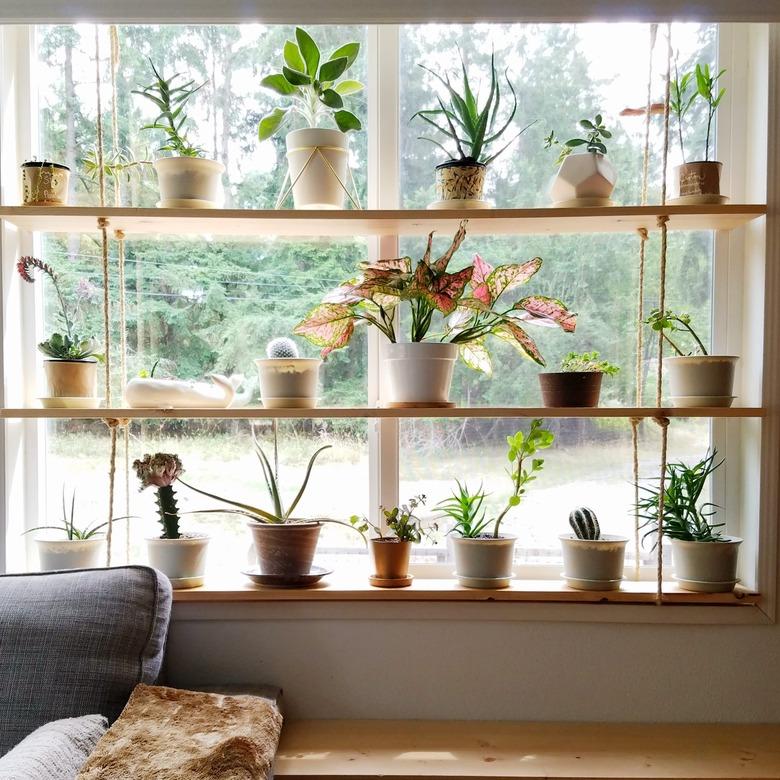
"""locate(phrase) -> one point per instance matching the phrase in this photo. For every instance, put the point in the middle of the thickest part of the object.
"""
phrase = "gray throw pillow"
(56, 751)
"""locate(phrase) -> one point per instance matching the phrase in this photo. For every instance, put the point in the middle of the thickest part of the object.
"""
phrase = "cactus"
(169, 512)
(160, 471)
(584, 523)
(282, 348)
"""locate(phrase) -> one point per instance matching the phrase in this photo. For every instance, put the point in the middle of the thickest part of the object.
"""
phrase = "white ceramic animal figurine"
(180, 393)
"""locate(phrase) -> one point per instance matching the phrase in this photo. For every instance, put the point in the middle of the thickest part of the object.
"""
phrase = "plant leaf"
(348, 87)
(348, 50)
(479, 280)
(309, 51)
(441, 264)
(346, 121)
(295, 77)
(331, 98)
(271, 123)
(475, 355)
(292, 56)
(279, 84)
(546, 311)
(329, 325)
(441, 291)
(306, 479)
(513, 334)
(507, 277)
(332, 69)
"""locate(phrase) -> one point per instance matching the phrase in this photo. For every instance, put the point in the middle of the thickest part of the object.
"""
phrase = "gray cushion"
(56, 751)
(76, 643)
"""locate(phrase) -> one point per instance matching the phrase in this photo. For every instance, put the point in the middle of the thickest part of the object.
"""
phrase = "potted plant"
(390, 553)
(467, 301)
(71, 364)
(314, 91)
(578, 383)
(44, 183)
(186, 178)
(588, 177)
(483, 555)
(180, 556)
(704, 560)
(473, 131)
(81, 547)
(287, 380)
(591, 561)
(696, 378)
(696, 182)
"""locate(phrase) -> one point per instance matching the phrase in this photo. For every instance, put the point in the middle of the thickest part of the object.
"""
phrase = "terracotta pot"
(285, 549)
(391, 558)
(571, 388)
(460, 181)
(71, 378)
(45, 184)
(698, 179)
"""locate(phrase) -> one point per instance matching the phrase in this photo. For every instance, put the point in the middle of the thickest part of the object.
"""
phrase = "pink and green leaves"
(512, 333)
(329, 325)
(442, 291)
(546, 311)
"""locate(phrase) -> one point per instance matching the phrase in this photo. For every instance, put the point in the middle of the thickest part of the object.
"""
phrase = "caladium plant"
(468, 301)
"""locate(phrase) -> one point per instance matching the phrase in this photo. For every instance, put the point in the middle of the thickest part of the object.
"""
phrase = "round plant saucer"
(395, 582)
(316, 573)
(183, 583)
(419, 404)
(62, 402)
(698, 200)
(187, 203)
(576, 203)
(490, 583)
(697, 586)
(290, 403)
(459, 203)
(578, 583)
(683, 401)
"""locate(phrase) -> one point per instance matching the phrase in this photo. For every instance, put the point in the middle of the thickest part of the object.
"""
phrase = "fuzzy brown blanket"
(168, 734)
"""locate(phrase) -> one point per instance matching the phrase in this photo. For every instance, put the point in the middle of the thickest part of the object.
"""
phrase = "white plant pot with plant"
(704, 559)
(587, 177)
(81, 548)
(592, 560)
(697, 182)
(464, 305)
(483, 555)
(71, 367)
(694, 379)
(180, 556)
(186, 178)
(472, 132)
(314, 91)
(287, 381)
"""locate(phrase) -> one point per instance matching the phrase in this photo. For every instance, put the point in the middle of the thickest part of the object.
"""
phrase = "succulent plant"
(161, 470)
(282, 348)
(584, 523)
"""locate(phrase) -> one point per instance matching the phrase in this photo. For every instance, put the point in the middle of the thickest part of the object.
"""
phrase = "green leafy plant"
(468, 318)
(116, 164)
(401, 520)
(685, 516)
(589, 362)
(59, 346)
(667, 322)
(595, 135)
(312, 90)
(465, 508)
(68, 523)
(161, 470)
(471, 128)
(688, 88)
(171, 99)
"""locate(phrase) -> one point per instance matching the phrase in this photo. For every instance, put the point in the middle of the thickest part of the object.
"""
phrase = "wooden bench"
(327, 749)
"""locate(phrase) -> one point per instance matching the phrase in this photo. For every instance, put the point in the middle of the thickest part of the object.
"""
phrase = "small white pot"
(183, 560)
(484, 562)
(593, 564)
(315, 181)
(706, 567)
(189, 182)
(695, 378)
(70, 554)
(419, 372)
(583, 179)
(287, 383)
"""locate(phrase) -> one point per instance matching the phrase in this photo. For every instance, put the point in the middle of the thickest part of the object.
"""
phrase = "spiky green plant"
(68, 523)
(161, 470)
(584, 523)
(466, 511)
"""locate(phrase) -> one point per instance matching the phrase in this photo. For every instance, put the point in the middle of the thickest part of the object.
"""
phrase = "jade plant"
(666, 322)
(312, 87)
(595, 135)
(588, 362)
(402, 522)
(160, 471)
(584, 523)
(59, 346)
(465, 509)
(467, 300)
(67, 525)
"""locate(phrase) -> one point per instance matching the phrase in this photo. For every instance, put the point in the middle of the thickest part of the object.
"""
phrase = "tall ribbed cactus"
(584, 523)
(161, 470)
(169, 512)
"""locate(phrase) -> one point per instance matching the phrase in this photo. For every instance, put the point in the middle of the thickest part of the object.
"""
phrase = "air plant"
(471, 128)
(595, 135)
(68, 525)
(160, 471)
(668, 322)
(401, 520)
(59, 346)
(588, 362)
(469, 318)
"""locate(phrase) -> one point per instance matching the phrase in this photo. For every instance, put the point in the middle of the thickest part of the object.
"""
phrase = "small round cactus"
(584, 523)
(282, 348)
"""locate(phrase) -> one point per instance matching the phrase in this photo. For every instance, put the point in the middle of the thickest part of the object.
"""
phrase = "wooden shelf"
(372, 413)
(271, 223)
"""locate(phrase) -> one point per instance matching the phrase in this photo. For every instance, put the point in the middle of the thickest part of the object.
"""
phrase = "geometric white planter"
(583, 179)
(189, 182)
(70, 554)
(701, 380)
(182, 560)
(288, 382)
(418, 372)
(706, 567)
(317, 159)
(593, 564)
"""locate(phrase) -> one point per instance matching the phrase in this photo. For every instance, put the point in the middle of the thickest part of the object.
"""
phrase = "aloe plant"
(68, 525)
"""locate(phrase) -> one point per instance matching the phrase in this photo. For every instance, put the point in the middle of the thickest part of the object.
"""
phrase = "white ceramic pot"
(189, 182)
(418, 372)
(45, 183)
(593, 564)
(289, 383)
(706, 567)
(318, 160)
(182, 560)
(180, 394)
(71, 378)
(694, 379)
(484, 562)
(583, 179)
(70, 554)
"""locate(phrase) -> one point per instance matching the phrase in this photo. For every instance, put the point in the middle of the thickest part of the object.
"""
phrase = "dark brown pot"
(285, 549)
(571, 388)
(698, 178)
(391, 558)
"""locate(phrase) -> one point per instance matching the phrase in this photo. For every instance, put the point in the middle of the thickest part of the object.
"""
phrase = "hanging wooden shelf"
(245, 223)
(371, 413)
